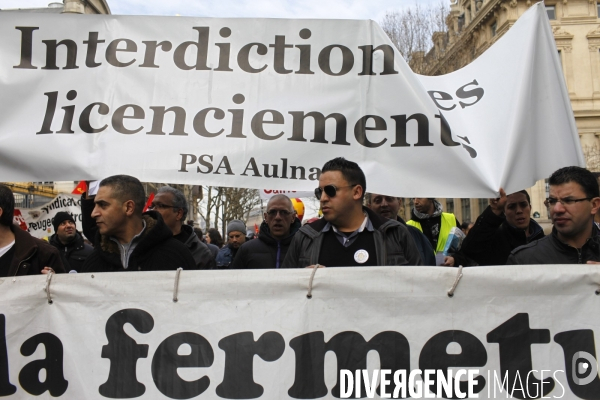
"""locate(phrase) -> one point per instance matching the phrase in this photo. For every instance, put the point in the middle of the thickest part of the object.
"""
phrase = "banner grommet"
(48, 280)
(459, 275)
(310, 281)
(176, 287)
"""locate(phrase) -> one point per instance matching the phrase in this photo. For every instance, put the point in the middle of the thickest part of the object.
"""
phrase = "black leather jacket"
(550, 250)
(393, 243)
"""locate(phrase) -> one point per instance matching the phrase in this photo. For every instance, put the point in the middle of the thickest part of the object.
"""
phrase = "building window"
(450, 205)
(465, 206)
(598, 9)
(461, 21)
(493, 28)
(551, 11)
(483, 203)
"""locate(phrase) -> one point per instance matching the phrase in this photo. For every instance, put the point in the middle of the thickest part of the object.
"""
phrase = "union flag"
(80, 188)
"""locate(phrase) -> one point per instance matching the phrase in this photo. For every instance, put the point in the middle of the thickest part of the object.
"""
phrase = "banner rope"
(48, 280)
(176, 288)
(459, 275)
(310, 281)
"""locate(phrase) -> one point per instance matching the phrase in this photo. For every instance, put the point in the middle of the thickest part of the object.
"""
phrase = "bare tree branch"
(411, 30)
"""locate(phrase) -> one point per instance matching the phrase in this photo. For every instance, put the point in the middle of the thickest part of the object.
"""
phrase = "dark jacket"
(393, 243)
(225, 257)
(266, 251)
(74, 253)
(491, 239)
(157, 250)
(214, 249)
(32, 255)
(550, 250)
(425, 250)
(202, 255)
(88, 223)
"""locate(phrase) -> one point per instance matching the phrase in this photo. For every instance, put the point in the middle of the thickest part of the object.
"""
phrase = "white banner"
(523, 330)
(265, 103)
(39, 220)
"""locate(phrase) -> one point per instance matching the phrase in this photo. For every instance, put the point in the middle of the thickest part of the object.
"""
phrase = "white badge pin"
(361, 256)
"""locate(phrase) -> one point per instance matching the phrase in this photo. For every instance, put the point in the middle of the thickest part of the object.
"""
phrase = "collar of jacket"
(593, 240)
(187, 232)
(534, 229)
(379, 223)
(264, 233)
(76, 243)
(25, 244)
(156, 232)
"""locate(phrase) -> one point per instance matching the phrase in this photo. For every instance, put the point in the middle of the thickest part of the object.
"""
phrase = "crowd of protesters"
(357, 229)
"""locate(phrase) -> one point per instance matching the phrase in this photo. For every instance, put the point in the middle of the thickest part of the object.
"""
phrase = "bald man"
(276, 233)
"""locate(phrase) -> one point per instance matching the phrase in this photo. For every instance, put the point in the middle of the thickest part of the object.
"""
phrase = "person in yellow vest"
(428, 217)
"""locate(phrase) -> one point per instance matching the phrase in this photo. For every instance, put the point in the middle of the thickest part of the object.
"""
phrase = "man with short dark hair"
(171, 204)
(502, 227)
(236, 236)
(388, 207)
(573, 201)
(21, 253)
(276, 233)
(349, 234)
(69, 241)
(128, 239)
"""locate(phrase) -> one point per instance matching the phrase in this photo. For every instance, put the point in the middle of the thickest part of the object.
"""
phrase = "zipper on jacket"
(384, 249)
(579, 251)
(278, 254)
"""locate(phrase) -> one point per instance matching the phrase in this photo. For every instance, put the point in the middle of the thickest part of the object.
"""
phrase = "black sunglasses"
(283, 213)
(330, 190)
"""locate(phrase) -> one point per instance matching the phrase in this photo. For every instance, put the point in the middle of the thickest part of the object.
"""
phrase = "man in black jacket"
(276, 234)
(349, 234)
(573, 201)
(502, 227)
(126, 239)
(388, 207)
(69, 241)
(173, 207)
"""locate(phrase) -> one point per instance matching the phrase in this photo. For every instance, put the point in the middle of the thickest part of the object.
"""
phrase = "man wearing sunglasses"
(172, 206)
(349, 234)
(573, 201)
(276, 234)
(502, 227)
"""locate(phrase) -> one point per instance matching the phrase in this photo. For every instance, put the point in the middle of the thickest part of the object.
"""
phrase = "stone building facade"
(475, 25)
(67, 6)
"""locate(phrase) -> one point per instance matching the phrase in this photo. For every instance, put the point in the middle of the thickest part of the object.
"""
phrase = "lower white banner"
(510, 331)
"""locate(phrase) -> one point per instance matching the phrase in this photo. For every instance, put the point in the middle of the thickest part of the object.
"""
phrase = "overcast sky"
(348, 9)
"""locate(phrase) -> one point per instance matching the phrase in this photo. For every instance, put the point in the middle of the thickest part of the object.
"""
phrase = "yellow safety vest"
(448, 222)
